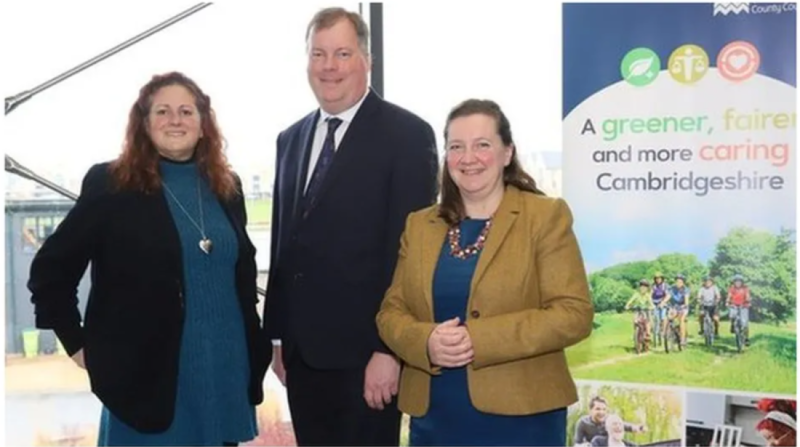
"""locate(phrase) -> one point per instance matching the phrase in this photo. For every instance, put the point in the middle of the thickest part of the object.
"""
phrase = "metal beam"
(376, 44)
(13, 101)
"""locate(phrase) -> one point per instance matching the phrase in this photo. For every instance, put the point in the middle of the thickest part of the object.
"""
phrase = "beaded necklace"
(454, 237)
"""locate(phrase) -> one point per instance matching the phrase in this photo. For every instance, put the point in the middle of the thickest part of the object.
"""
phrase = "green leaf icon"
(640, 66)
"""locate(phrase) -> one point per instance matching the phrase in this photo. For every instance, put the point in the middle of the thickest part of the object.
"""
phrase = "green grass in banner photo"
(766, 260)
(767, 365)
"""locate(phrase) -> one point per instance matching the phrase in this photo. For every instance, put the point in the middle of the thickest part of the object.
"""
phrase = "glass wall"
(248, 57)
(442, 54)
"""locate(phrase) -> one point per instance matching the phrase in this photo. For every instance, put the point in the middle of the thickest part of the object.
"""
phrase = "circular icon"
(738, 61)
(640, 66)
(688, 64)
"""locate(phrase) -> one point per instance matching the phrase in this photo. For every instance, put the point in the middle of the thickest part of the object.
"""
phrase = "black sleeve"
(414, 185)
(241, 208)
(273, 324)
(60, 263)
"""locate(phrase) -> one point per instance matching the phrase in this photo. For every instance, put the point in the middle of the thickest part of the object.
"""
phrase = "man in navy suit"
(347, 175)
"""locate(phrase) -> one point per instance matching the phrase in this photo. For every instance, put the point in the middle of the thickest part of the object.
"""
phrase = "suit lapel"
(303, 154)
(503, 221)
(432, 238)
(356, 138)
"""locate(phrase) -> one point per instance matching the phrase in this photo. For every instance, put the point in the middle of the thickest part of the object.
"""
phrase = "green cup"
(30, 342)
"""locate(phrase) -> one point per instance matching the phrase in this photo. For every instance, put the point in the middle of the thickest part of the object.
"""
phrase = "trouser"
(744, 315)
(328, 408)
(714, 316)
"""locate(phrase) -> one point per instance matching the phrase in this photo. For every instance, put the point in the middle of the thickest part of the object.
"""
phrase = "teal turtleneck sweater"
(212, 404)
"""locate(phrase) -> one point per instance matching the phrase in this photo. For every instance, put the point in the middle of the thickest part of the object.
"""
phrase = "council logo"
(731, 8)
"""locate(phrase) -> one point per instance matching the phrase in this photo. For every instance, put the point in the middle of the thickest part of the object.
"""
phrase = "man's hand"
(381, 380)
(277, 364)
(450, 345)
(78, 359)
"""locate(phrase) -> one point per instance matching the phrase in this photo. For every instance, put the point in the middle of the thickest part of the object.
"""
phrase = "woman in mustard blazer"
(489, 290)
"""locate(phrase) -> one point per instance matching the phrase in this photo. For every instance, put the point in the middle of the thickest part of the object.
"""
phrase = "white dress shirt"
(322, 130)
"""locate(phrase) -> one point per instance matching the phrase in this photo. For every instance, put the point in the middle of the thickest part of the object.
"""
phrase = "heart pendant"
(205, 245)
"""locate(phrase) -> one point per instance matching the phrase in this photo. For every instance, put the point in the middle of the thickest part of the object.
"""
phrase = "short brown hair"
(452, 207)
(596, 400)
(329, 17)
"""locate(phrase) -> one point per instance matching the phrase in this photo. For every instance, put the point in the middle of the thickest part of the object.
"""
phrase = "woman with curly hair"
(170, 333)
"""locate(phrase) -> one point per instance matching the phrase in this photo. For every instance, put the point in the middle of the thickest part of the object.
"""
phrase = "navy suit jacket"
(331, 264)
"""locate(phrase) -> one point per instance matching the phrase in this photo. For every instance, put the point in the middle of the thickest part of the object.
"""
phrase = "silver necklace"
(205, 243)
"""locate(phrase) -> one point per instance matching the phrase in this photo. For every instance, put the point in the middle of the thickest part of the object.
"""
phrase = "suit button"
(475, 314)
(298, 276)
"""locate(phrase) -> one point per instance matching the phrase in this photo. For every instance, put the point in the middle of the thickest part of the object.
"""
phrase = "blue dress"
(212, 405)
(451, 418)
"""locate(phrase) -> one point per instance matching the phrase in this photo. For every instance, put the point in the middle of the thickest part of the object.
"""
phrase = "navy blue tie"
(323, 162)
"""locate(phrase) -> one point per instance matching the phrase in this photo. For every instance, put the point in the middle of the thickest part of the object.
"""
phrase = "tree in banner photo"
(679, 165)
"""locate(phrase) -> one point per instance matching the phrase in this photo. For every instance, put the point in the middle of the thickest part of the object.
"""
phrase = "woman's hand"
(450, 345)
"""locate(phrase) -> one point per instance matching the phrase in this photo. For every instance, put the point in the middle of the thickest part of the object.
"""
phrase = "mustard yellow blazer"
(529, 300)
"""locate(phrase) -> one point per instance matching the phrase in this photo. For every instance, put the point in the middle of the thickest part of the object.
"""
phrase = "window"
(36, 229)
(440, 55)
(248, 57)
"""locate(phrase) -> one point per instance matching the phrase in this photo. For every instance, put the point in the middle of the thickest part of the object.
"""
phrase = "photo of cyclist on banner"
(642, 307)
(708, 299)
(738, 304)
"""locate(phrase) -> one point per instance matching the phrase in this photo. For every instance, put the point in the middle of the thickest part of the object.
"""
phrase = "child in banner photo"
(615, 434)
(679, 297)
(708, 298)
(659, 293)
(642, 306)
(594, 425)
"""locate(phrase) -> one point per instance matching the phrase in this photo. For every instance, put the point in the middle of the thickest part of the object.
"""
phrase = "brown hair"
(136, 168)
(595, 400)
(452, 207)
(329, 17)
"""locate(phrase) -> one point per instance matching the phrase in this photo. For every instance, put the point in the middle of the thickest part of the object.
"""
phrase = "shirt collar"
(346, 116)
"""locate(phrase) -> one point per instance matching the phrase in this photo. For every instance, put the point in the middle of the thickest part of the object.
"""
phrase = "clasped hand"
(450, 345)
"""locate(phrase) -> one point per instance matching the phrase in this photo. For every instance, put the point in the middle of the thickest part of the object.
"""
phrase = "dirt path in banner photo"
(767, 365)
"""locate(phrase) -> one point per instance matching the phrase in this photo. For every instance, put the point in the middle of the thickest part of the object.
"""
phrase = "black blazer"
(330, 268)
(134, 314)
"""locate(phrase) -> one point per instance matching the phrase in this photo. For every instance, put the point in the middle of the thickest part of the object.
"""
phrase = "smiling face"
(476, 155)
(337, 67)
(615, 427)
(174, 123)
(598, 412)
